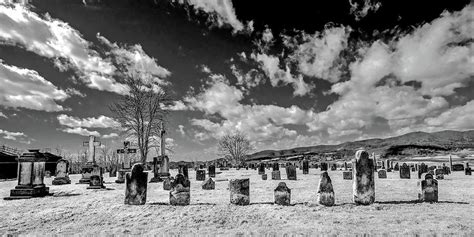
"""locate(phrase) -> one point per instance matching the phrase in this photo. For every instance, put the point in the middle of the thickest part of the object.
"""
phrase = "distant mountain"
(415, 143)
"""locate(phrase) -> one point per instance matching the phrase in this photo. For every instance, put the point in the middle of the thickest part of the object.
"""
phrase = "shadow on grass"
(418, 201)
(194, 204)
(63, 194)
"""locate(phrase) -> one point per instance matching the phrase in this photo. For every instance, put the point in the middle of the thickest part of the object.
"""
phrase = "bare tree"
(236, 146)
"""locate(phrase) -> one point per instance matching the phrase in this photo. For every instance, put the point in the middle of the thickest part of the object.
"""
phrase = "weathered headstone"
(261, 169)
(209, 184)
(62, 173)
(446, 170)
(428, 188)
(200, 175)
(305, 167)
(345, 165)
(31, 168)
(180, 193)
(282, 194)
(264, 176)
(113, 171)
(382, 174)
(167, 183)
(458, 167)
(334, 167)
(136, 186)
(325, 190)
(276, 166)
(212, 171)
(96, 182)
(239, 191)
(291, 172)
(324, 166)
(183, 169)
(467, 170)
(396, 168)
(439, 173)
(423, 168)
(364, 182)
(404, 171)
(276, 175)
(347, 175)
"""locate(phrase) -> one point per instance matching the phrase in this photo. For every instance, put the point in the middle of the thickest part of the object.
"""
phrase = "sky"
(284, 74)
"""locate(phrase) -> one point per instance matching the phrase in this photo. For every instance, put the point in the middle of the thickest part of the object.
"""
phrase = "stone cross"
(127, 164)
(92, 143)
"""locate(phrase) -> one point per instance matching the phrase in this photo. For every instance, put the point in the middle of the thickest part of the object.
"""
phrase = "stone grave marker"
(180, 193)
(423, 168)
(396, 168)
(200, 175)
(183, 169)
(212, 171)
(261, 169)
(282, 194)
(345, 165)
(428, 188)
(209, 184)
(467, 170)
(439, 173)
(62, 173)
(276, 166)
(363, 174)
(136, 186)
(382, 174)
(239, 191)
(458, 167)
(167, 183)
(347, 175)
(276, 175)
(113, 171)
(264, 177)
(324, 166)
(404, 171)
(334, 167)
(305, 167)
(291, 172)
(325, 194)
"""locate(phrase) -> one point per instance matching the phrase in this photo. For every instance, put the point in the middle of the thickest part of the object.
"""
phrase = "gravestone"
(345, 165)
(180, 193)
(404, 171)
(276, 166)
(347, 175)
(458, 167)
(446, 170)
(62, 173)
(121, 176)
(183, 169)
(276, 175)
(439, 173)
(239, 191)
(264, 177)
(428, 188)
(291, 172)
(209, 184)
(282, 194)
(382, 174)
(136, 186)
(325, 190)
(416, 167)
(212, 171)
(467, 170)
(31, 168)
(96, 182)
(324, 166)
(200, 175)
(167, 183)
(113, 171)
(261, 169)
(305, 167)
(396, 168)
(333, 167)
(423, 168)
(363, 174)
(387, 164)
(90, 168)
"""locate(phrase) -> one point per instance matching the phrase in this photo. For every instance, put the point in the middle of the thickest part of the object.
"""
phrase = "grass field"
(75, 210)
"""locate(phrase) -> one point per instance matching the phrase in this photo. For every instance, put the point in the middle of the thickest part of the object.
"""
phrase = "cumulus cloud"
(175, 106)
(24, 88)
(221, 13)
(11, 135)
(81, 131)
(91, 122)
(361, 11)
(110, 135)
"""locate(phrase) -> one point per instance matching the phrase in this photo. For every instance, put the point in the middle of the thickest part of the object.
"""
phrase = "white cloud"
(205, 69)
(91, 122)
(24, 88)
(367, 5)
(110, 135)
(11, 135)
(176, 106)
(81, 131)
(181, 130)
(456, 118)
(221, 12)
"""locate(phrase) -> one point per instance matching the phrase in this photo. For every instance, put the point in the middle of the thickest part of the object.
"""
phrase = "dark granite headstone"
(261, 169)
(404, 171)
(364, 182)
(396, 168)
(325, 192)
(382, 174)
(136, 186)
(276, 166)
(212, 171)
(209, 184)
(239, 191)
(458, 167)
(305, 167)
(96, 182)
(423, 168)
(291, 172)
(334, 167)
(324, 166)
(200, 175)
(113, 171)
(467, 170)
(428, 188)
(282, 194)
(180, 193)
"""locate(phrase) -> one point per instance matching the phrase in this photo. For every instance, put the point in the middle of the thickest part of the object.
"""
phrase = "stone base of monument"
(159, 177)
(61, 181)
(121, 175)
(87, 171)
(25, 192)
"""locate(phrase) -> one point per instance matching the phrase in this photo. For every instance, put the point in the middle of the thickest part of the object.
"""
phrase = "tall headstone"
(325, 190)
(404, 171)
(282, 194)
(90, 168)
(209, 184)
(127, 162)
(183, 169)
(375, 161)
(423, 168)
(450, 162)
(261, 169)
(276, 166)
(291, 172)
(62, 173)
(364, 182)
(180, 193)
(31, 169)
(382, 174)
(305, 167)
(428, 188)
(345, 166)
(200, 175)
(136, 186)
(212, 171)
(239, 191)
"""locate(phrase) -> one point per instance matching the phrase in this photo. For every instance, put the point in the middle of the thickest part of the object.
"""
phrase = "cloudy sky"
(285, 75)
